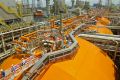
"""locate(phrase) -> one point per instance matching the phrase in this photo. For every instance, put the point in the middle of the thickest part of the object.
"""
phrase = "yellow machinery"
(11, 11)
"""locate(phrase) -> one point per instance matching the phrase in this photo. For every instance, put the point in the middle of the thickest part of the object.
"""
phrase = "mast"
(38, 4)
(48, 7)
(33, 5)
(73, 1)
(100, 4)
(77, 3)
(109, 3)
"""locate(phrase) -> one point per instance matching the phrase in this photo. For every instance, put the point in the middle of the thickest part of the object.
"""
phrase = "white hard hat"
(1, 69)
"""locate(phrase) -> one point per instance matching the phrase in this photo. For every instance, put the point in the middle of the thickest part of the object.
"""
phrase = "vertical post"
(27, 6)
(109, 4)
(116, 50)
(55, 7)
(37, 34)
(24, 7)
(3, 43)
(13, 38)
(100, 4)
(119, 4)
(60, 22)
(21, 32)
(73, 1)
(33, 5)
(38, 4)
(48, 7)
(60, 29)
(28, 30)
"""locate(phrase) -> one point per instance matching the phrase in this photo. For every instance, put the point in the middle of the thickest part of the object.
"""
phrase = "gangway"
(34, 35)
(114, 27)
(101, 37)
(107, 42)
(46, 58)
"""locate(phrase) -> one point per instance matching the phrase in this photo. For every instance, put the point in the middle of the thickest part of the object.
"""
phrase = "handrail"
(98, 36)
(2, 34)
(112, 48)
(48, 56)
(109, 35)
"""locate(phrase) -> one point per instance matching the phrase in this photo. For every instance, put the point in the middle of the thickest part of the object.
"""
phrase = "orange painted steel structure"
(33, 35)
(89, 63)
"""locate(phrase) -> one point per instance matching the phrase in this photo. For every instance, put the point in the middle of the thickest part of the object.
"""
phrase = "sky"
(68, 2)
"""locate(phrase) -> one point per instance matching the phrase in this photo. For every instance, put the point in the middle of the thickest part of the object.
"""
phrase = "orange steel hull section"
(90, 63)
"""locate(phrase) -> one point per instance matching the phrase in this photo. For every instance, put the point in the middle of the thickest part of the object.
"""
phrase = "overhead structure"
(62, 5)
(33, 4)
(28, 3)
(119, 4)
(100, 4)
(38, 4)
(73, 1)
(109, 3)
(55, 7)
(77, 3)
(59, 5)
(48, 7)
(77, 68)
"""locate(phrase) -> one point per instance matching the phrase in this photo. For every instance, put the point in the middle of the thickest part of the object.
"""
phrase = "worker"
(2, 73)
(23, 62)
(69, 43)
(23, 49)
(32, 58)
(54, 46)
(13, 68)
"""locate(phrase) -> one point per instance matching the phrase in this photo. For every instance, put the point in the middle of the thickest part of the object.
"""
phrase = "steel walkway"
(109, 43)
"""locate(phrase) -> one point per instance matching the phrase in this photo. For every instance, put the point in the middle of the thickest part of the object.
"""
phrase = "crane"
(73, 1)
(100, 4)
(48, 7)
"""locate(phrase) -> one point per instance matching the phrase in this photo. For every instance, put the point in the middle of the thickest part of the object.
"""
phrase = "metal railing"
(17, 69)
(15, 35)
(46, 58)
(100, 37)
(105, 42)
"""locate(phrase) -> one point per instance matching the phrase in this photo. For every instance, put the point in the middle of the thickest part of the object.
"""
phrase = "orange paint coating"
(101, 29)
(103, 21)
(9, 61)
(37, 53)
(16, 59)
(90, 63)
